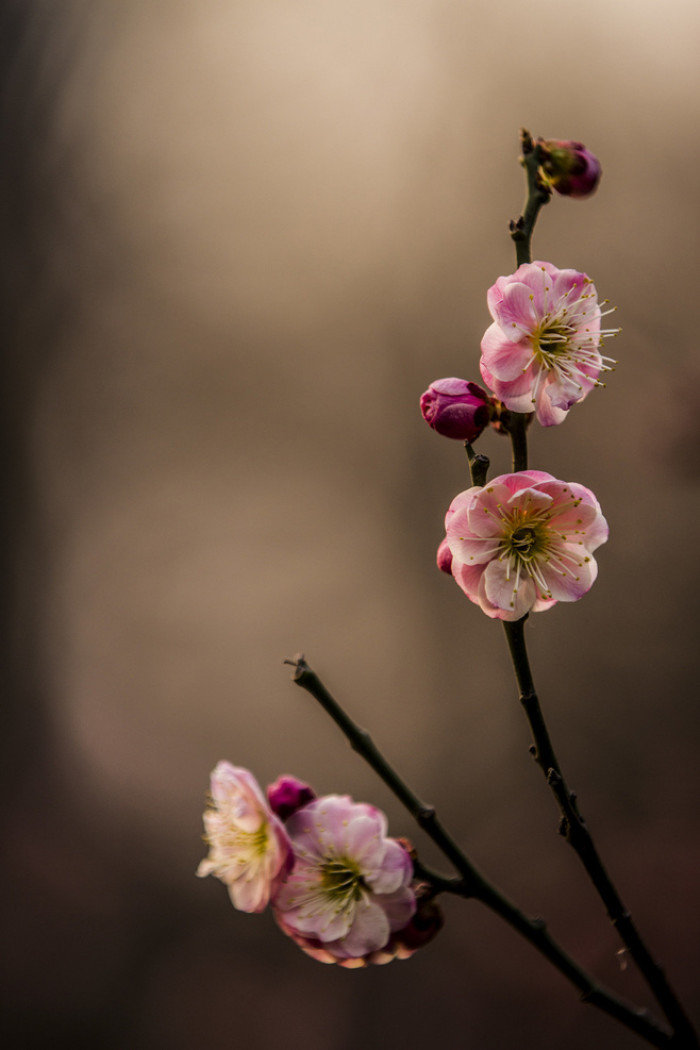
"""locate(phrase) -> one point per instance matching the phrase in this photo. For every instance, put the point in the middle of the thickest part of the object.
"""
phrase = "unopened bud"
(425, 924)
(287, 795)
(569, 167)
(456, 408)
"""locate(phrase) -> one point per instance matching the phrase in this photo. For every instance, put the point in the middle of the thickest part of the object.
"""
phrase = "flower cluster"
(525, 541)
(338, 886)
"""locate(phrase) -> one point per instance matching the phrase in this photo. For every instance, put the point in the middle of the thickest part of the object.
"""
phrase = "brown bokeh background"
(240, 238)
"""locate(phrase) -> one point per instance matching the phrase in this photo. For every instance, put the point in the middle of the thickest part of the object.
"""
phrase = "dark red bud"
(287, 795)
(569, 167)
(456, 408)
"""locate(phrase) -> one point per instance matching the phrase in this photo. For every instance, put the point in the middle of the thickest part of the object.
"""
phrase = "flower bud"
(569, 167)
(426, 923)
(287, 795)
(456, 408)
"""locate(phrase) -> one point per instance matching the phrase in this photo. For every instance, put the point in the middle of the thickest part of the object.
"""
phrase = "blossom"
(569, 167)
(350, 888)
(456, 408)
(524, 542)
(542, 352)
(249, 849)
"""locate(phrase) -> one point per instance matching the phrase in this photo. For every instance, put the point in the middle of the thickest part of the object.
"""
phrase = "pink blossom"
(249, 849)
(456, 408)
(542, 352)
(524, 542)
(350, 886)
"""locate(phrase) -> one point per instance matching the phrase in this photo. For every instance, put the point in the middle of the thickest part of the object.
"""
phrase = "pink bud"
(287, 795)
(456, 408)
(569, 167)
(444, 558)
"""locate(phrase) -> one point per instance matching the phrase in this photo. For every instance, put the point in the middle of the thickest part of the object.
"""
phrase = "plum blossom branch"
(574, 829)
(470, 883)
(538, 194)
(572, 826)
(521, 230)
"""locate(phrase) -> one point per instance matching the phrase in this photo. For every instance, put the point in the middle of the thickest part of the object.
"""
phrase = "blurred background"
(239, 240)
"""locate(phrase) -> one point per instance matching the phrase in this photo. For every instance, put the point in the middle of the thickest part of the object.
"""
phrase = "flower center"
(341, 881)
(566, 343)
(552, 340)
(525, 542)
(247, 845)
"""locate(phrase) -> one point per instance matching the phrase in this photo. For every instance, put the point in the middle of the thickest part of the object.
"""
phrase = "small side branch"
(470, 883)
(478, 465)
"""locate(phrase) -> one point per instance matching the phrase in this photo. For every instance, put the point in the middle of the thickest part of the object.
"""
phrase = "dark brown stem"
(471, 883)
(574, 829)
(537, 196)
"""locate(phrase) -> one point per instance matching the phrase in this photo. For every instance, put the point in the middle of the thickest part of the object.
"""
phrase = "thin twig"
(538, 194)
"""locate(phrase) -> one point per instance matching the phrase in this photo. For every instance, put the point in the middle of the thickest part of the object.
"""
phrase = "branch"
(537, 196)
(574, 829)
(470, 883)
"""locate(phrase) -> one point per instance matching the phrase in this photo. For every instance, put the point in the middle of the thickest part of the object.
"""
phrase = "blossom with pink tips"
(350, 888)
(524, 542)
(249, 850)
(542, 352)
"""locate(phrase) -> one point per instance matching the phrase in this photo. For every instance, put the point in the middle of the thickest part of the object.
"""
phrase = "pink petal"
(520, 385)
(564, 587)
(370, 929)
(523, 479)
(505, 358)
(484, 517)
(363, 841)
(547, 414)
(536, 277)
(531, 499)
(395, 870)
(472, 551)
(399, 907)
(563, 391)
(251, 895)
(542, 604)
(596, 533)
(484, 604)
(573, 282)
(468, 577)
(516, 313)
(462, 501)
(502, 592)
(495, 295)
